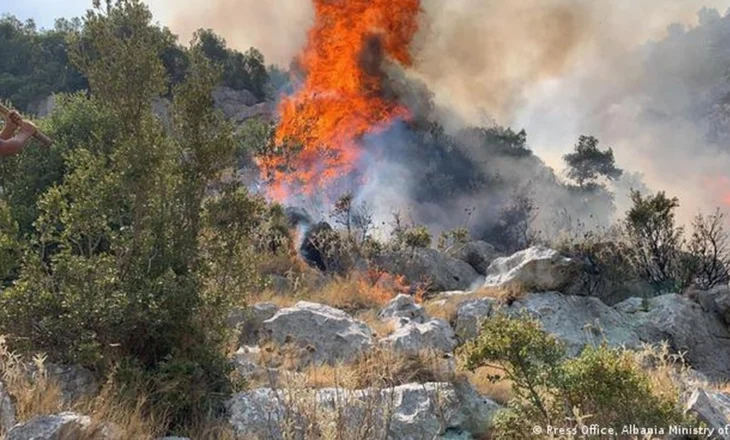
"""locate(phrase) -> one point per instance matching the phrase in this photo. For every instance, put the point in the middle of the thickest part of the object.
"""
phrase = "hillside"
(216, 249)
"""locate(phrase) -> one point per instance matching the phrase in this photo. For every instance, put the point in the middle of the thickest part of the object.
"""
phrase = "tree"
(655, 240)
(710, 248)
(587, 163)
(240, 70)
(127, 259)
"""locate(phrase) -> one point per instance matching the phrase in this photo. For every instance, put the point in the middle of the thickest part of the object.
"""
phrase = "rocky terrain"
(283, 401)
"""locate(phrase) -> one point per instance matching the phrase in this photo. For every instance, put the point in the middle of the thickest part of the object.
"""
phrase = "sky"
(45, 12)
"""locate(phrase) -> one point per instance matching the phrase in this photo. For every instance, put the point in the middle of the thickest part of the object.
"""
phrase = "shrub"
(602, 385)
(710, 249)
(656, 242)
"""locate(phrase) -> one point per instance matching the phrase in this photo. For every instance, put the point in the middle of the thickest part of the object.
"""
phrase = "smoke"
(659, 104)
(558, 68)
(277, 28)
(483, 57)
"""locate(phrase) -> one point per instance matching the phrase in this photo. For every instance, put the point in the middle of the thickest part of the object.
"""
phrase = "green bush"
(602, 386)
(136, 244)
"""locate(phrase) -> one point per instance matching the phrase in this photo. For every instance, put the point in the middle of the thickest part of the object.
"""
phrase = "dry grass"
(381, 328)
(446, 308)
(486, 383)
(360, 291)
(358, 408)
(670, 377)
(382, 367)
(35, 394)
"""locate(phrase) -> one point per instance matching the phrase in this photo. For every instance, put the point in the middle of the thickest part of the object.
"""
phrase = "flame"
(341, 99)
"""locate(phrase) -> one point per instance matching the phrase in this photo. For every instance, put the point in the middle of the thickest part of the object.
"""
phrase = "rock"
(477, 254)
(247, 361)
(417, 411)
(250, 321)
(403, 306)
(683, 323)
(536, 269)
(66, 425)
(469, 317)
(711, 408)
(412, 337)
(722, 302)
(632, 305)
(578, 320)
(75, 382)
(430, 268)
(7, 409)
(328, 334)
(230, 101)
(262, 110)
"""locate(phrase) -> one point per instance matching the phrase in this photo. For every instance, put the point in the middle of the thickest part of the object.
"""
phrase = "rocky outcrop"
(412, 411)
(702, 336)
(329, 335)
(430, 268)
(477, 254)
(411, 337)
(403, 306)
(66, 425)
(578, 321)
(711, 408)
(241, 105)
(687, 327)
(537, 269)
(249, 322)
(469, 317)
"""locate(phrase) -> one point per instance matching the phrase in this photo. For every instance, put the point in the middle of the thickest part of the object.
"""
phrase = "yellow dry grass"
(446, 308)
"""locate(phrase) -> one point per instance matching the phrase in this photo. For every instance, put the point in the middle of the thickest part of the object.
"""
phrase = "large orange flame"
(342, 96)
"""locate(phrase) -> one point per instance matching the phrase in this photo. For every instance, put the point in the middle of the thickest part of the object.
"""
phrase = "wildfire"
(341, 99)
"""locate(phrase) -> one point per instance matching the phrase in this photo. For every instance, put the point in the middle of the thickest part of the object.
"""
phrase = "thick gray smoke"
(559, 69)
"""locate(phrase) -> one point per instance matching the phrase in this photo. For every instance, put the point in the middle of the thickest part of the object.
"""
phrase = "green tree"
(127, 263)
(587, 163)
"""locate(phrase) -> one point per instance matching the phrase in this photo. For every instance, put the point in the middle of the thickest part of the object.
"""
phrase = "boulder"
(469, 317)
(477, 254)
(75, 381)
(249, 322)
(430, 268)
(536, 269)
(688, 328)
(411, 337)
(7, 409)
(416, 411)
(66, 425)
(712, 408)
(578, 320)
(230, 101)
(329, 335)
(403, 306)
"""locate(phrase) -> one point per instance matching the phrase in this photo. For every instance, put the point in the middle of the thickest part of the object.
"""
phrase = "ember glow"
(342, 96)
